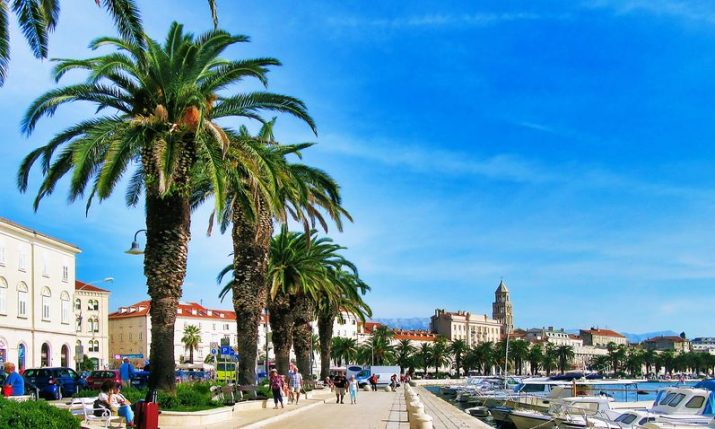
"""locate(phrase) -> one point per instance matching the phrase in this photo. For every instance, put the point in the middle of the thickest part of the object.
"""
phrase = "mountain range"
(423, 324)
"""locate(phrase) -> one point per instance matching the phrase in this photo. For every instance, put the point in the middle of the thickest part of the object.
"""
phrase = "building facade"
(462, 325)
(502, 310)
(602, 337)
(663, 343)
(37, 277)
(91, 316)
(703, 344)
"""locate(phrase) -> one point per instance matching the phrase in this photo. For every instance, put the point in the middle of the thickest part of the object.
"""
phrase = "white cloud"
(436, 20)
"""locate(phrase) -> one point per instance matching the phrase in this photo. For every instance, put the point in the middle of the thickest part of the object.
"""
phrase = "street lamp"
(136, 249)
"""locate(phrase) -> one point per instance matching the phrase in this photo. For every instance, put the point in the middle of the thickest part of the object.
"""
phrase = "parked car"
(97, 378)
(30, 389)
(55, 383)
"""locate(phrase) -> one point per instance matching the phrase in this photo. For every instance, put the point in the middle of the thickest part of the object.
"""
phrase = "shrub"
(87, 393)
(35, 414)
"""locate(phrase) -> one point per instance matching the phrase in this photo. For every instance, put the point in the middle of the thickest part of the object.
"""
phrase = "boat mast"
(506, 359)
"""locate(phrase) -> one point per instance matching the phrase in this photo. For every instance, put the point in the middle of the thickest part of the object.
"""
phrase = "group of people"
(289, 386)
(112, 401)
(340, 385)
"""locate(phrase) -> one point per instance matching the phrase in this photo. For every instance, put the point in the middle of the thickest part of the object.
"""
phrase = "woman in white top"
(122, 405)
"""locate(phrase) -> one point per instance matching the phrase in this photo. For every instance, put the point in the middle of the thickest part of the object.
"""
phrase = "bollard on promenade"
(424, 421)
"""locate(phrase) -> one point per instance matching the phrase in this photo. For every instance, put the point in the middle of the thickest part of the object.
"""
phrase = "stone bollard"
(411, 405)
(424, 422)
(414, 417)
(366, 388)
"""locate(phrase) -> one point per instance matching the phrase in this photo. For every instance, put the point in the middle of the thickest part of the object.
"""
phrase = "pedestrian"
(126, 372)
(341, 384)
(373, 382)
(329, 383)
(393, 382)
(276, 382)
(353, 388)
(14, 379)
(296, 383)
(122, 405)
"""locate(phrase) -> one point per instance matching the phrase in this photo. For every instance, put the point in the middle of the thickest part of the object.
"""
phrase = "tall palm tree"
(649, 357)
(519, 352)
(667, 358)
(458, 348)
(191, 340)
(600, 363)
(404, 351)
(380, 343)
(536, 356)
(424, 356)
(330, 308)
(440, 354)
(344, 349)
(164, 101)
(284, 189)
(565, 355)
(550, 359)
(484, 357)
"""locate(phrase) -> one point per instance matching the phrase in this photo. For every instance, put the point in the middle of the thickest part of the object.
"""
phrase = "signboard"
(224, 342)
(78, 352)
(132, 356)
(213, 345)
(214, 351)
(226, 350)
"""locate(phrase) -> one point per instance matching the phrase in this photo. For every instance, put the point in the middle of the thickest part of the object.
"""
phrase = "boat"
(564, 410)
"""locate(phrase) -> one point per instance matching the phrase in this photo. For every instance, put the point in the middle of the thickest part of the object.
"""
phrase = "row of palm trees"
(171, 117)
(636, 361)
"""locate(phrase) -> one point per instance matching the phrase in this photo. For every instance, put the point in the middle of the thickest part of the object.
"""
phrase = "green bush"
(35, 414)
(87, 393)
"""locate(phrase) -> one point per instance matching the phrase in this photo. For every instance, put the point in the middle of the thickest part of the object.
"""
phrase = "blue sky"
(566, 146)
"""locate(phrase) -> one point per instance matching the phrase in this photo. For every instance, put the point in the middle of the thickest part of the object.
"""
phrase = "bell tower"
(502, 310)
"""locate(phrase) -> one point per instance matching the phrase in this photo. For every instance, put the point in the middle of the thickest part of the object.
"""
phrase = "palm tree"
(37, 18)
(381, 350)
(344, 349)
(284, 189)
(484, 357)
(440, 354)
(667, 358)
(164, 101)
(565, 355)
(600, 363)
(617, 354)
(649, 357)
(550, 359)
(634, 362)
(458, 348)
(424, 356)
(536, 356)
(191, 340)
(519, 352)
(404, 351)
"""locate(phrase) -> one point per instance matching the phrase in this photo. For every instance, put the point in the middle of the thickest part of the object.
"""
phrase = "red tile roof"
(414, 335)
(191, 309)
(604, 333)
(80, 285)
(674, 339)
(368, 327)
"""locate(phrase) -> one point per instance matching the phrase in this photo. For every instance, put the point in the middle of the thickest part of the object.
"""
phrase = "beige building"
(462, 325)
(667, 343)
(37, 278)
(602, 337)
(91, 311)
(130, 330)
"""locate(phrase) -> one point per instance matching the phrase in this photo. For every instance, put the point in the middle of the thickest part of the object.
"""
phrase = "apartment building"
(37, 285)
(91, 317)
(463, 325)
(602, 337)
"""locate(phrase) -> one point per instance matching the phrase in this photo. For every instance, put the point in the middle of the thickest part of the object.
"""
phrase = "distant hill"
(637, 338)
(405, 323)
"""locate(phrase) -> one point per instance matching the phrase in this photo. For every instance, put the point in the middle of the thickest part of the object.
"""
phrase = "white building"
(463, 325)
(703, 344)
(37, 285)
(91, 311)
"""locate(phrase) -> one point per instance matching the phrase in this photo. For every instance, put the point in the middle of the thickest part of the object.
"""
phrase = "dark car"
(55, 383)
(30, 389)
(97, 378)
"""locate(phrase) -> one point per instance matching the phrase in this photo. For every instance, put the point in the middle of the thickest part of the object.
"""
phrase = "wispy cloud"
(703, 11)
(437, 20)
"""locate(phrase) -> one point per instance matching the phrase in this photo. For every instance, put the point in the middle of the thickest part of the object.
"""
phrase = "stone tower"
(502, 310)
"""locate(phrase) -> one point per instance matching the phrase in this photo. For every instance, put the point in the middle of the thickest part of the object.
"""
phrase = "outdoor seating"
(83, 407)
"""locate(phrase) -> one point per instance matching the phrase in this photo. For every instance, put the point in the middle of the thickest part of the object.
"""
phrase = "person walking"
(393, 382)
(373, 382)
(276, 382)
(341, 384)
(14, 379)
(126, 372)
(296, 383)
(353, 389)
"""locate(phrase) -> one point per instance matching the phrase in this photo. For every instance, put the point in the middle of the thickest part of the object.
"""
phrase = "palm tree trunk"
(168, 234)
(302, 332)
(191, 354)
(325, 332)
(281, 318)
(251, 242)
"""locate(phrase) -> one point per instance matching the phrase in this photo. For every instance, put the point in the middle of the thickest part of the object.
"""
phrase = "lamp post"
(135, 249)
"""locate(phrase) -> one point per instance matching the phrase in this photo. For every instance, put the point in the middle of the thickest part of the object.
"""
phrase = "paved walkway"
(446, 415)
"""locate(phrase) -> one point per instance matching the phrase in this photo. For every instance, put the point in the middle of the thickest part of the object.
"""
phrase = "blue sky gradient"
(566, 146)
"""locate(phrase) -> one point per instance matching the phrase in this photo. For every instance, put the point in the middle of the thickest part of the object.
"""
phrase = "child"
(353, 388)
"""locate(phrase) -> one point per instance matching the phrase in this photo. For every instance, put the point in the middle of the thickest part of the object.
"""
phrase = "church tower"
(502, 310)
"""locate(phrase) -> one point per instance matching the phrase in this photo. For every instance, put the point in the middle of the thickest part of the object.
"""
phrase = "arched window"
(3, 296)
(46, 295)
(96, 305)
(96, 324)
(89, 304)
(21, 356)
(65, 355)
(78, 304)
(65, 307)
(45, 355)
(21, 299)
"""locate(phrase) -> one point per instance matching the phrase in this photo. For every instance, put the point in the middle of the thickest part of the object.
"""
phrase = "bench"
(247, 388)
(83, 407)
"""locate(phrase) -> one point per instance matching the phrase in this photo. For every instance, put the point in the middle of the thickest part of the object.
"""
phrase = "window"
(140, 335)
(95, 305)
(22, 258)
(3, 296)
(677, 400)
(45, 270)
(667, 399)
(78, 304)
(96, 325)
(22, 300)
(65, 307)
(2, 252)
(46, 303)
(695, 402)
(89, 304)
(65, 270)
(78, 323)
